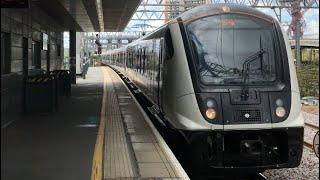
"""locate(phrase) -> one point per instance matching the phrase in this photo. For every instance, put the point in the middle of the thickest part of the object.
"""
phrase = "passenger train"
(223, 76)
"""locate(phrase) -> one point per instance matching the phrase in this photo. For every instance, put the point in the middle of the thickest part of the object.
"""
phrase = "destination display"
(14, 3)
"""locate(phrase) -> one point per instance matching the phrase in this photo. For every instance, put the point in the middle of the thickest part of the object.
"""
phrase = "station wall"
(22, 31)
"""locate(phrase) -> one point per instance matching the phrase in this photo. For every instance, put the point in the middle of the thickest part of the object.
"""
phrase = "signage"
(14, 3)
(44, 41)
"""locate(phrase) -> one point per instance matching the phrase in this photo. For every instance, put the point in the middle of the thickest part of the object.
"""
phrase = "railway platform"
(133, 147)
(98, 133)
(58, 145)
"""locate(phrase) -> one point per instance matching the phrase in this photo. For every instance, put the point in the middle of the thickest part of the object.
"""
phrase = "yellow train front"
(223, 76)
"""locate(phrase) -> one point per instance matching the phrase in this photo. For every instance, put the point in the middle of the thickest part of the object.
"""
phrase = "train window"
(137, 60)
(5, 53)
(140, 59)
(127, 59)
(132, 57)
(143, 60)
(234, 49)
(168, 45)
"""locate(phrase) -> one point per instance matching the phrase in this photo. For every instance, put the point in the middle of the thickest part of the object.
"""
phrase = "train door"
(136, 63)
(166, 56)
(147, 66)
(160, 73)
(153, 72)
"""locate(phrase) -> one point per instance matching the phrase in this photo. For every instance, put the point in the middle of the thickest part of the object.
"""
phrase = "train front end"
(245, 88)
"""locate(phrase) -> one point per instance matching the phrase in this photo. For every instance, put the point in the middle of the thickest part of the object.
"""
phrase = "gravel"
(308, 169)
(309, 134)
(311, 118)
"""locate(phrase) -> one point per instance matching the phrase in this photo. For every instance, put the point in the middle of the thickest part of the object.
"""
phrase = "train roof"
(209, 9)
(202, 11)
(222, 8)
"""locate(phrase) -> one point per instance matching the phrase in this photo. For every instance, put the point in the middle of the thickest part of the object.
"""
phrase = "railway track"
(308, 145)
(260, 176)
(313, 128)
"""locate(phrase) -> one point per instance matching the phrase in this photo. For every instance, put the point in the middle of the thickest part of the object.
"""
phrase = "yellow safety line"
(96, 173)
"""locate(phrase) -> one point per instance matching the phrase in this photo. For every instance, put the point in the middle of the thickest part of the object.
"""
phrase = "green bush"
(308, 78)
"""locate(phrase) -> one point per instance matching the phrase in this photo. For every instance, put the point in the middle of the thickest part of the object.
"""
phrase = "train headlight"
(280, 112)
(210, 103)
(211, 113)
(279, 102)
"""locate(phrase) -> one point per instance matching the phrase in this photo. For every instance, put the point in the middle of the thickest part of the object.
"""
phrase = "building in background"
(175, 7)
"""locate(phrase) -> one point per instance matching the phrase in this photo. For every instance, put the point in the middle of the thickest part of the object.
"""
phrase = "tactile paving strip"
(117, 161)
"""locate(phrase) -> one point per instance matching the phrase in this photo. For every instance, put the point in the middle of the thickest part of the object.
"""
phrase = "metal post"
(72, 54)
(25, 43)
(280, 15)
(48, 55)
(298, 50)
(310, 56)
(313, 54)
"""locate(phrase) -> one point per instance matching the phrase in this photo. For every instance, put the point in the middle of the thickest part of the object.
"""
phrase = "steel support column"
(72, 54)
(25, 56)
(48, 55)
(298, 48)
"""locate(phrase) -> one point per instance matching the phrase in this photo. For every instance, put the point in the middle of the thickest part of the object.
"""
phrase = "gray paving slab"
(142, 147)
(147, 156)
(153, 170)
(136, 131)
(144, 138)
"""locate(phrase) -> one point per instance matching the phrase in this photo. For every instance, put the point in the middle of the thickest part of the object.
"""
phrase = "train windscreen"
(233, 49)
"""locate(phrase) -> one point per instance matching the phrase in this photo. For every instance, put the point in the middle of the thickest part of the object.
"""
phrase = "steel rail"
(312, 126)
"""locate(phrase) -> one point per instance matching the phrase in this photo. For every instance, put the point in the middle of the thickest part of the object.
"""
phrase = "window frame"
(278, 59)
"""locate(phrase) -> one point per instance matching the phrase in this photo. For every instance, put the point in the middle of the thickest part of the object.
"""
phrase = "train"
(223, 76)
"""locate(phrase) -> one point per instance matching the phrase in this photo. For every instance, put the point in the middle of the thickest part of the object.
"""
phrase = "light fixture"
(210, 103)
(211, 113)
(280, 111)
(279, 102)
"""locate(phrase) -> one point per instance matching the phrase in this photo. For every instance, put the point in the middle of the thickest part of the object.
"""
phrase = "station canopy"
(90, 15)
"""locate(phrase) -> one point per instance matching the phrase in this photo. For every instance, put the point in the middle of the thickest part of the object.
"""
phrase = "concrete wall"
(28, 23)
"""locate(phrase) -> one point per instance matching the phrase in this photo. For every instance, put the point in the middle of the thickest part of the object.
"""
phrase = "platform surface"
(62, 145)
(133, 149)
(56, 146)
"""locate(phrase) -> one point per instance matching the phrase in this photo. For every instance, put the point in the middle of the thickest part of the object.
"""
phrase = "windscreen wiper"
(245, 69)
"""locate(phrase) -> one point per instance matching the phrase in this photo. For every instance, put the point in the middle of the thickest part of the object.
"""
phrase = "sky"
(311, 18)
